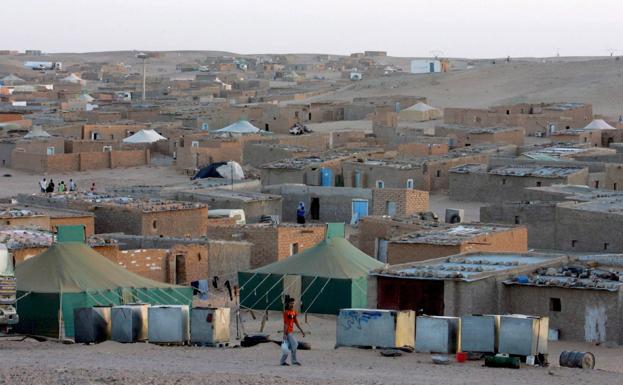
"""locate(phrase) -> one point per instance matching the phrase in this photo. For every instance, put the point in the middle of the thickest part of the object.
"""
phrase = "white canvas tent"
(73, 78)
(240, 127)
(36, 132)
(144, 136)
(599, 124)
(419, 112)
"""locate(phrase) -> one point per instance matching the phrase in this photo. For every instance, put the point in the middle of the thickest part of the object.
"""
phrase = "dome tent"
(419, 112)
(599, 124)
(240, 127)
(227, 170)
(71, 275)
(331, 276)
(144, 136)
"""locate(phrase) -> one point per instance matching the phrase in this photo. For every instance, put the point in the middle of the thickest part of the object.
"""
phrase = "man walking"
(72, 185)
(289, 320)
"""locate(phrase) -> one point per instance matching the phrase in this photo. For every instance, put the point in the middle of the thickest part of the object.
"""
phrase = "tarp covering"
(144, 136)
(599, 124)
(331, 258)
(227, 170)
(240, 127)
(75, 267)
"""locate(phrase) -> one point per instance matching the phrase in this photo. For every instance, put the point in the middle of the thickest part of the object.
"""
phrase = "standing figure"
(50, 188)
(300, 213)
(43, 184)
(289, 320)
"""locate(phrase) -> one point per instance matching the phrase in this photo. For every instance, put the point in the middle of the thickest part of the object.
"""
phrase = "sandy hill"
(596, 81)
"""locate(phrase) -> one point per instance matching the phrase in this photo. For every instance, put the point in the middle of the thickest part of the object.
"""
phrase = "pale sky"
(458, 28)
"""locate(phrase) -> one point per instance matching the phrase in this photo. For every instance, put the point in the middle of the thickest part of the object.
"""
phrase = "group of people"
(49, 186)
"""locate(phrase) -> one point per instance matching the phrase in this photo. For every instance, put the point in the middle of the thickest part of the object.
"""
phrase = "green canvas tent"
(72, 275)
(327, 277)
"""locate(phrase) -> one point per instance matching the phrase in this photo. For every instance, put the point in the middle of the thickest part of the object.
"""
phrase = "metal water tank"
(92, 324)
(168, 324)
(523, 335)
(209, 325)
(437, 334)
(479, 333)
(375, 327)
(129, 322)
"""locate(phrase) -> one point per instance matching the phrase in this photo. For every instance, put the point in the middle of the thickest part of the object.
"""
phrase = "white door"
(390, 208)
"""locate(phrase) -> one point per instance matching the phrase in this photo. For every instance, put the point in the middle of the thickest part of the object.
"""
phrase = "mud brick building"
(534, 118)
(45, 218)
(448, 240)
(172, 259)
(161, 218)
(271, 243)
(582, 298)
(254, 204)
(465, 136)
(578, 135)
(110, 131)
(396, 201)
(454, 286)
(257, 154)
(304, 170)
(479, 183)
(569, 218)
(130, 216)
(424, 173)
(373, 232)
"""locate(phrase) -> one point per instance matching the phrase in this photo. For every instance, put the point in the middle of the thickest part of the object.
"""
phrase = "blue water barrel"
(326, 177)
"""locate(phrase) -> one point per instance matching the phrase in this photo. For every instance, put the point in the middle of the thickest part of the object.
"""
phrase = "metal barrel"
(571, 359)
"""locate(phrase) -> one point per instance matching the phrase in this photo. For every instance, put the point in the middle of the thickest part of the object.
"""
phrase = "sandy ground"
(23, 183)
(30, 362)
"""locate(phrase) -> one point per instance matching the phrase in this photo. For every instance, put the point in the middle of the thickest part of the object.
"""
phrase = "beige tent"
(419, 112)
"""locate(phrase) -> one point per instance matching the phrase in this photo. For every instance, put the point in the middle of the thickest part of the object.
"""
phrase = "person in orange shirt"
(289, 320)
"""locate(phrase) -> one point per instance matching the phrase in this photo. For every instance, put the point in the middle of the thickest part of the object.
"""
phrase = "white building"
(425, 66)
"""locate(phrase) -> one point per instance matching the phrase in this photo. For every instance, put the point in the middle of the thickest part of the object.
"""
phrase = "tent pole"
(268, 291)
(60, 315)
(245, 284)
(153, 298)
(317, 295)
(282, 292)
(168, 295)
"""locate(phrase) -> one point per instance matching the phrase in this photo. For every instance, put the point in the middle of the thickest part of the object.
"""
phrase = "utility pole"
(143, 56)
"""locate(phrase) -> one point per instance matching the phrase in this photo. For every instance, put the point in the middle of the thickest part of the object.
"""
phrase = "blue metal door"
(326, 177)
(431, 66)
(359, 210)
